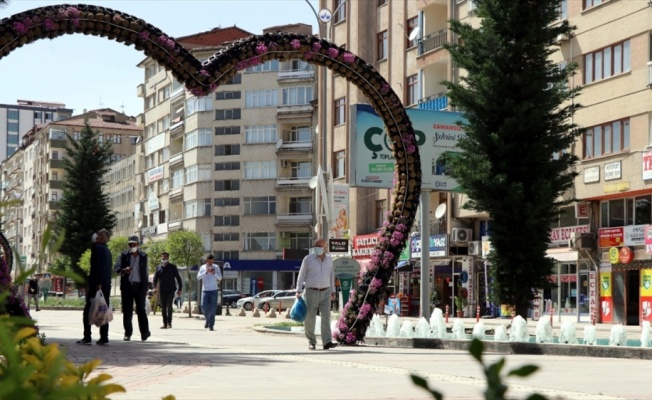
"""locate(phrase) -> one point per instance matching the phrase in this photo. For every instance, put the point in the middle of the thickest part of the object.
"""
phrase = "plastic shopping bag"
(299, 310)
(148, 306)
(100, 310)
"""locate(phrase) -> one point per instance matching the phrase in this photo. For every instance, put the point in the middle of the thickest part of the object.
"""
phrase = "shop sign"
(648, 239)
(634, 235)
(611, 237)
(154, 174)
(593, 295)
(438, 246)
(363, 245)
(606, 304)
(612, 171)
(614, 255)
(562, 235)
(592, 175)
(646, 294)
(625, 255)
(338, 245)
(581, 209)
(647, 165)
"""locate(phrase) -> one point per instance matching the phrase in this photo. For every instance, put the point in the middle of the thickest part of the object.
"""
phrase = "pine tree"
(84, 206)
(517, 158)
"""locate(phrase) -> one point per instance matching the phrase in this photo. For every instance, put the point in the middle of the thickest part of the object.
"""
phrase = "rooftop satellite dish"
(313, 182)
(413, 35)
(441, 210)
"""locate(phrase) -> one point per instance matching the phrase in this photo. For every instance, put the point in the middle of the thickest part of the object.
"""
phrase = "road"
(237, 361)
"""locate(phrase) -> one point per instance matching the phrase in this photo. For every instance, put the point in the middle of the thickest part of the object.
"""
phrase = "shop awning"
(403, 264)
(562, 255)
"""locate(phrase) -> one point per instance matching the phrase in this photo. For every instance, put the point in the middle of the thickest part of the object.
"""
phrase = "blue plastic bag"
(299, 310)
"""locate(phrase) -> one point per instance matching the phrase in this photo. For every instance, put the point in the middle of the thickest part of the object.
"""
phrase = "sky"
(90, 72)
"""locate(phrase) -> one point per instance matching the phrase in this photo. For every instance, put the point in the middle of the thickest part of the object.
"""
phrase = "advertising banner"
(438, 246)
(648, 239)
(606, 304)
(372, 163)
(345, 269)
(611, 237)
(647, 165)
(593, 294)
(646, 294)
(339, 224)
(363, 245)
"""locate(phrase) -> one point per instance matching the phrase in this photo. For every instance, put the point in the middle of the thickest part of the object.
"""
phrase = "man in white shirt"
(317, 277)
(211, 276)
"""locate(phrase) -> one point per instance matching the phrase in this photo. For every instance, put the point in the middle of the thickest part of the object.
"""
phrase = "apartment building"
(125, 189)
(17, 119)
(12, 198)
(612, 46)
(233, 166)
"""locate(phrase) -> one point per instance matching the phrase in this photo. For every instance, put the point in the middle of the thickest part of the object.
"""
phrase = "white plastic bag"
(148, 306)
(100, 313)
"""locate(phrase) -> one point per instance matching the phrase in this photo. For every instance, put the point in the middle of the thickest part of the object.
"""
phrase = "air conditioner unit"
(584, 241)
(562, 37)
(461, 235)
(475, 248)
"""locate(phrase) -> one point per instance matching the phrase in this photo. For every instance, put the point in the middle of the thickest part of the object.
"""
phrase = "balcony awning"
(562, 255)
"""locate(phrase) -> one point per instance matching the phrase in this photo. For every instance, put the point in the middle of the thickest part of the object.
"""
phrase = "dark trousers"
(104, 329)
(166, 298)
(130, 294)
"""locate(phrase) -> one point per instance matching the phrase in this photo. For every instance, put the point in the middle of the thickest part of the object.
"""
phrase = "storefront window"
(642, 213)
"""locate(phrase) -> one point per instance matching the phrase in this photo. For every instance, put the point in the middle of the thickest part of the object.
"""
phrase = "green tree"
(516, 160)
(186, 249)
(84, 205)
(116, 245)
(154, 249)
(85, 261)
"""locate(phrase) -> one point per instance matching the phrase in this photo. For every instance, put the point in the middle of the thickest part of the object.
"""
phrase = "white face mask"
(318, 251)
(164, 261)
(134, 249)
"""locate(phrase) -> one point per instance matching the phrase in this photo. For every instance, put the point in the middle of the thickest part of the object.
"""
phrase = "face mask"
(134, 249)
(319, 251)
(164, 261)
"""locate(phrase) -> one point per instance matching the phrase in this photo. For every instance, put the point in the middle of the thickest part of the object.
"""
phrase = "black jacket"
(142, 266)
(167, 275)
(100, 273)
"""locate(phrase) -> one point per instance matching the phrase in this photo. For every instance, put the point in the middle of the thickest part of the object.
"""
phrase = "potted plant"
(460, 303)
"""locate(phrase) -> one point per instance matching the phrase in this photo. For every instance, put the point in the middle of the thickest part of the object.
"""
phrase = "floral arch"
(203, 78)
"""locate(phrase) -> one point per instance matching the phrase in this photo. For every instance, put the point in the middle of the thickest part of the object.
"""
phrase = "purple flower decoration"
(75, 22)
(261, 48)
(348, 57)
(273, 46)
(73, 12)
(388, 257)
(401, 227)
(204, 72)
(364, 310)
(384, 89)
(308, 55)
(295, 43)
(397, 235)
(49, 24)
(166, 41)
(394, 242)
(333, 52)
(375, 284)
(411, 149)
(144, 36)
(20, 28)
(316, 47)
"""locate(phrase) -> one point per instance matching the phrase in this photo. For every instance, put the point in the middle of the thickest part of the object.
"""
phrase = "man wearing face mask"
(166, 274)
(317, 277)
(132, 267)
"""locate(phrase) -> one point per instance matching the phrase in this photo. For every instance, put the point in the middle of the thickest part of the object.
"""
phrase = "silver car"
(249, 303)
(282, 300)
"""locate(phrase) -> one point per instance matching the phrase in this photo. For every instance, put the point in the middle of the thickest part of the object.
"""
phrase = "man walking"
(99, 278)
(166, 274)
(211, 276)
(318, 278)
(132, 267)
(33, 292)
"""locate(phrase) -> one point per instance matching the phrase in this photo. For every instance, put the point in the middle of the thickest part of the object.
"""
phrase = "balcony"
(56, 184)
(295, 113)
(292, 183)
(177, 126)
(58, 143)
(176, 159)
(293, 219)
(54, 205)
(294, 146)
(305, 75)
(175, 225)
(140, 90)
(433, 41)
(176, 193)
(55, 163)
(436, 102)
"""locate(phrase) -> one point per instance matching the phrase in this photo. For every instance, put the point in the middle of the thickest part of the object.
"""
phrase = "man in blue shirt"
(210, 275)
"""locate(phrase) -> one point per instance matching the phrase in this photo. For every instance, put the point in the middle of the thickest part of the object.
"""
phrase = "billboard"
(372, 163)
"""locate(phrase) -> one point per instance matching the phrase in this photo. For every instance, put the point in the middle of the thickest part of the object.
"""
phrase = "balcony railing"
(55, 163)
(176, 159)
(175, 225)
(433, 103)
(297, 75)
(56, 184)
(58, 143)
(294, 219)
(292, 182)
(303, 145)
(433, 41)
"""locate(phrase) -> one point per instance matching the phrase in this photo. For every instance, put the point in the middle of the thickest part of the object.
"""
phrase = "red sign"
(611, 237)
(646, 308)
(563, 278)
(581, 209)
(606, 310)
(626, 255)
(363, 245)
(593, 294)
(647, 165)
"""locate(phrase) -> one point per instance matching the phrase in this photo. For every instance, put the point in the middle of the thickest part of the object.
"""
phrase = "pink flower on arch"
(384, 89)
(144, 36)
(411, 149)
(375, 284)
(261, 48)
(20, 28)
(333, 52)
(394, 242)
(295, 43)
(204, 72)
(49, 24)
(316, 47)
(348, 57)
(72, 12)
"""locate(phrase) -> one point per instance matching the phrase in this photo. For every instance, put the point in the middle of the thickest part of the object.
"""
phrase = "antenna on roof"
(123, 107)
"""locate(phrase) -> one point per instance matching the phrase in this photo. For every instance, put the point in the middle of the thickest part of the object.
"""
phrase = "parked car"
(249, 303)
(282, 300)
(231, 297)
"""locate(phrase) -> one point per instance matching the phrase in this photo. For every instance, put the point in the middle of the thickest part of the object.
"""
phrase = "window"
(300, 134)
(227, 237)
(300, 240)
(339, 114)
(55, 175)
(163, 124)
(150, 101)
(227, 201)
(227, 255)
(227, 130)
(57, 134)
(177, 179)
(259, 205)
(227, 220)
(297, 96)
(591, 3)
(259, 241)
(642, 210)
(412, 90)
(48, 116)
(261, 98)
(382, 43)
(260, 169)
(151, 71)
(164, 94)
(196, 173)
(55, 155)
(260, 134)
(228, 95)
(13, 115)
(601, 64)
(236, 80)
(198, 138)
(227, 150)
(301, 205)
(227, 166)
(267, 66)
(379, 215)
(339, 164)
(412, 24)
(230, 113)
(612, 137)
(198, 104)
(301, 169)
(197, 208)
(340, 11)
(227, 185)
